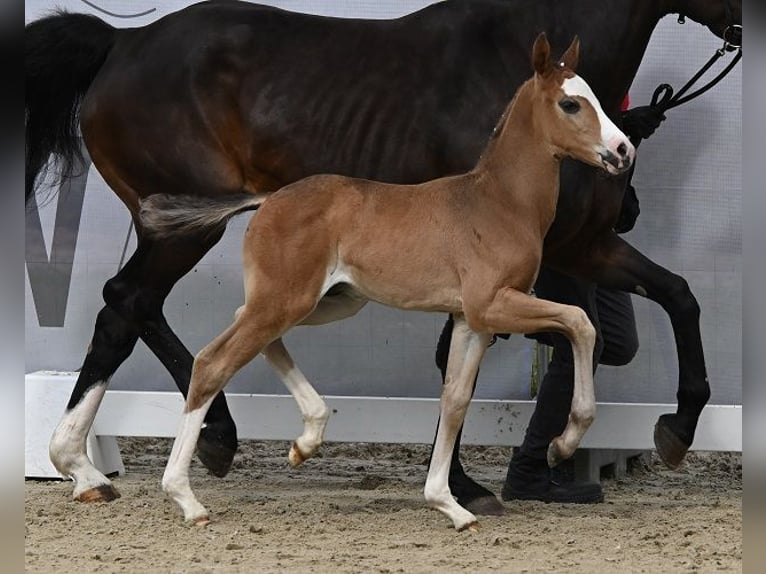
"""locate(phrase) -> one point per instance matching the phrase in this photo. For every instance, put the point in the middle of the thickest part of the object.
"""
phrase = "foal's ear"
(572, 55)
(541, 54)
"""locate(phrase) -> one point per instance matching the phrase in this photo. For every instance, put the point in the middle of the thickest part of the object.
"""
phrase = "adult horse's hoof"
(103, 493)
(216, 449)
(671, 448)
(485, 506)
(473, 496)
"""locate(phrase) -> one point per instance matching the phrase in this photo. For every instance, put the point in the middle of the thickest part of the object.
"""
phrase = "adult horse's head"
(722, 17)
(575, 124)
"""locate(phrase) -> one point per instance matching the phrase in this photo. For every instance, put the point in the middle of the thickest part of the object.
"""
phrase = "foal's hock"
(344, 241)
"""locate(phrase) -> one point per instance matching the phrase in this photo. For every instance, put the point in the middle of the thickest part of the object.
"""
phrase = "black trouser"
(611, 313)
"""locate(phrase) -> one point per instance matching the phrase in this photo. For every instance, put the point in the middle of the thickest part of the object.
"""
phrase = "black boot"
(530, 479)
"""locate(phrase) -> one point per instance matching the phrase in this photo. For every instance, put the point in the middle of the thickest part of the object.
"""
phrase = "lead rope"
(125, 246)
(664, 99)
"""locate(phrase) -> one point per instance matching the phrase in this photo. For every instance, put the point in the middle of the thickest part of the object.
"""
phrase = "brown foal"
(469, 245)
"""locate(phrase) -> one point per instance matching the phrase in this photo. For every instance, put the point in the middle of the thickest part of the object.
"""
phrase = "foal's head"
(569, 115)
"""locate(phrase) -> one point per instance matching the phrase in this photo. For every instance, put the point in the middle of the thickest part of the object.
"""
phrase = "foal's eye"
(569, 106)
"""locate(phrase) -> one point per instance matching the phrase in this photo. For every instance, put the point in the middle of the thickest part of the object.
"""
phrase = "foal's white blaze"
(611, 135)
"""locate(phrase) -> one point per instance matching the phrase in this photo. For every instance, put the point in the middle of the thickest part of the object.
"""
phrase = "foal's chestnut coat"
(469, 245)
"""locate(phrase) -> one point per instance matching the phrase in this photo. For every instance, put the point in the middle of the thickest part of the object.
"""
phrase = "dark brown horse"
(237, 97)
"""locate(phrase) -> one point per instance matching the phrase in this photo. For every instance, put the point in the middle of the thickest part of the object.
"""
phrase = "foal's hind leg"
(254, 327)
(466, 351)
(313, 409)
(213, 367)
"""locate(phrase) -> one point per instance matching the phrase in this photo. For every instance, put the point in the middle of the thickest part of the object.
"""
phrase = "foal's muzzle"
(619, 160)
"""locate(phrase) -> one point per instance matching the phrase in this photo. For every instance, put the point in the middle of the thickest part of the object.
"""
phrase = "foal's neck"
(519, 167)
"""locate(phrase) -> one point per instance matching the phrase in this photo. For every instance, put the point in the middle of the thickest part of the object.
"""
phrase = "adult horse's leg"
(469, 493)
(130, 312)
(113, 341)
(138, 293)
(615, 264)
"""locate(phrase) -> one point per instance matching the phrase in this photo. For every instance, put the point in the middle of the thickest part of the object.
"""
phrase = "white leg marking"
(175, 480)
(466, 351)
(313, 408)
(67, 448)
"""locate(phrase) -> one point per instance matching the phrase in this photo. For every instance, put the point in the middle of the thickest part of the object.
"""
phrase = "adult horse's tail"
(62, 54)
(167, 215)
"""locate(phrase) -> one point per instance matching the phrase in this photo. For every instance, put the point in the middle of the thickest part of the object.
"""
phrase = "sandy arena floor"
(359, 508)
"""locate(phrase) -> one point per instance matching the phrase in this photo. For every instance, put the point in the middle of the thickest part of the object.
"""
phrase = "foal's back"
(381, 236)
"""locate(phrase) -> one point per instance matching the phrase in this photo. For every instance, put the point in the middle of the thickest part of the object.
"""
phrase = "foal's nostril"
(622, 149)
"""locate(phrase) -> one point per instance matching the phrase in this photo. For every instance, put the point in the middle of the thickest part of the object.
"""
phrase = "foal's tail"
(165, 215)
(62, 54)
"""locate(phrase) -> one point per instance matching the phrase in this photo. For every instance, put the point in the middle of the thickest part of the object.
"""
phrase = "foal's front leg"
(514, 312)
(466, 351)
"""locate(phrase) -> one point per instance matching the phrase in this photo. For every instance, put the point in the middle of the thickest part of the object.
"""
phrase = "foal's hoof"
(554, 455)
(216, 449)
(671, 448)
(295, 456)
(103, 493)
(201, 521)
(485, 506)
(470, 527)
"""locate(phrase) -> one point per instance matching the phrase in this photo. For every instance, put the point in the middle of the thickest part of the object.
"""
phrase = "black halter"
(664, 98)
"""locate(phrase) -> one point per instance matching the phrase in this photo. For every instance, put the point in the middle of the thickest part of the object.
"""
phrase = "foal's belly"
(415, 291)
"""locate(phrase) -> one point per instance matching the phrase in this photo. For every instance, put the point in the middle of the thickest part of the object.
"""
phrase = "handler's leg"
(618, 327)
